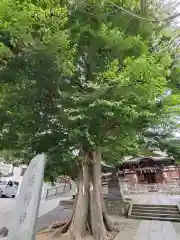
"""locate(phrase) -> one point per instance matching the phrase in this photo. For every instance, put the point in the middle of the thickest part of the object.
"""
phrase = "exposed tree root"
(89, 215)
(62, 229)
(59, 228)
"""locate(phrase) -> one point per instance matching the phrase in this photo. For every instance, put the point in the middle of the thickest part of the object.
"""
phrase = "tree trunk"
(97, 221)
(90, 216)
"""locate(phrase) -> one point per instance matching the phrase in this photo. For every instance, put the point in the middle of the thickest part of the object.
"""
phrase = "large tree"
(76, 79)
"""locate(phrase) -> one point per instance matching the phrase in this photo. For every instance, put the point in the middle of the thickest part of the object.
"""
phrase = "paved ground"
(151, 230)
(49, 210)
(7, 205)
(148, 230)
(131, 229)
(57, 214)
(156, 198)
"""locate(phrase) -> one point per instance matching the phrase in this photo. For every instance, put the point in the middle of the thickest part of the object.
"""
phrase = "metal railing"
(127, 188)
(145, 188)
(55, 191)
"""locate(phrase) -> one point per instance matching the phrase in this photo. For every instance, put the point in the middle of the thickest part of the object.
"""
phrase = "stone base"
(67, 204)
(114, 207)
(117, 207)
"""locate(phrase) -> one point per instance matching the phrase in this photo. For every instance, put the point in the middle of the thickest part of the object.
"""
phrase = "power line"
(143, 18)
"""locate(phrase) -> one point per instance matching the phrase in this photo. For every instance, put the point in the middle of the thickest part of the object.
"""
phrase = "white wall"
(18, 178)
(5, 168)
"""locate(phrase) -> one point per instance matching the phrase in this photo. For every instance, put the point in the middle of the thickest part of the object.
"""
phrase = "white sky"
(177, 134)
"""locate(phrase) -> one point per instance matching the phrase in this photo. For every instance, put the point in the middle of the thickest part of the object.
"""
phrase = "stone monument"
(23, 225)
(114, 188)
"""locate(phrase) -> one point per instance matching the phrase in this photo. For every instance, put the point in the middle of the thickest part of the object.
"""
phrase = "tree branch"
(143, 18)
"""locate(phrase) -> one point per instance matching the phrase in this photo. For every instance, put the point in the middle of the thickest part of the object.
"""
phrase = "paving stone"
(155, 226)
(155, 198)
(143, 231)
(128, 228)
(152, 230)
(168, 231)
(148, 230)
(156, 236)
(176, 227)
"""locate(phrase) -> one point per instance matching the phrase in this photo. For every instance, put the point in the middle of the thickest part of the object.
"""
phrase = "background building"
(149, 170)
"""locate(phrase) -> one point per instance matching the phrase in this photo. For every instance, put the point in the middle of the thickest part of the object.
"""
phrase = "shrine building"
(144, 170)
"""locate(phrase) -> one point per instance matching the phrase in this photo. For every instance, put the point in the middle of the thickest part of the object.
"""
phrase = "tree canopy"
(81, 81)
(85, 76)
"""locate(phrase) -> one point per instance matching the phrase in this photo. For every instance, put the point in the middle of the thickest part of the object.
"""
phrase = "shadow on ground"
(57, 214)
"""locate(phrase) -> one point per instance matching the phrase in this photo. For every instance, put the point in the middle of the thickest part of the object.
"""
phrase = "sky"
(177, 134)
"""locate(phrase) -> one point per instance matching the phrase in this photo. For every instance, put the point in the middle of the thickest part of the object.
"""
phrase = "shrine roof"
(141, 158)
(135, 160)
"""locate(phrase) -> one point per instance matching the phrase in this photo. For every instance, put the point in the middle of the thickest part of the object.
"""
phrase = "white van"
(10, 189)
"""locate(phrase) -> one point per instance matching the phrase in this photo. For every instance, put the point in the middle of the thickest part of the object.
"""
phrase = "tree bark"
(90, 215)
(78, 225)
(97, 221)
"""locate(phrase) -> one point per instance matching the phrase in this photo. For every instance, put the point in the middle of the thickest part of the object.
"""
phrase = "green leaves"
(78, 75)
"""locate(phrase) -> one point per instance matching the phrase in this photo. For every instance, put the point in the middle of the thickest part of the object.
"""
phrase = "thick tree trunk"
(97, 221)
(79, 221)
(90, 216)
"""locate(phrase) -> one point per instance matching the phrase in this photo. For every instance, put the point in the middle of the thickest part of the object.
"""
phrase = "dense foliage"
(79, 77)
(81, 81)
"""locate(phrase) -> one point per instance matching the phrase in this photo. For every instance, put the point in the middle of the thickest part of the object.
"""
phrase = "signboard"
(24, 218)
